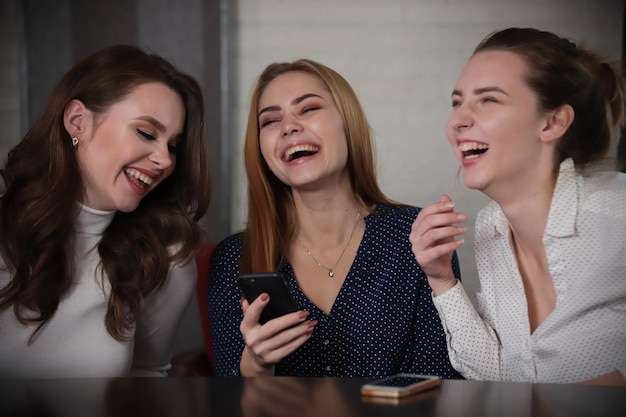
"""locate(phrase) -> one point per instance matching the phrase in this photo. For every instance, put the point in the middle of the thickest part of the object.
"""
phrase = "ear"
(75, 118)
(557, 123)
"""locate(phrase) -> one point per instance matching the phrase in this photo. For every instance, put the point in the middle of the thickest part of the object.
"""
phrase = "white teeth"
(299, 148)
(472, 146)
(138, 175)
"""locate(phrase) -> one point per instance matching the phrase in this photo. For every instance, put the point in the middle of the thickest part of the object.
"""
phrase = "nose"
(290, 126)
(162, 157)
(461, 118)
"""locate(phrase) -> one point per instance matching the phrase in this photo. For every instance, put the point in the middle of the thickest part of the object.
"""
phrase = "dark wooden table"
(297, 397)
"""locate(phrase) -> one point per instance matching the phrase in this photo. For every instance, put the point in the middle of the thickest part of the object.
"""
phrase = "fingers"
(434, 235)
(266, 347)
(436, 224)
(268, 344)
(252, 312)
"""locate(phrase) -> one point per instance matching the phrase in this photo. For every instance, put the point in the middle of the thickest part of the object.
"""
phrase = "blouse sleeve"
(225, 313)
(473, 346)
(159, 319)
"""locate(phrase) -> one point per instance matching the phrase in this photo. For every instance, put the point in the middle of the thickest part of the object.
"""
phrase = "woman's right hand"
(433, 242)
(268, 344)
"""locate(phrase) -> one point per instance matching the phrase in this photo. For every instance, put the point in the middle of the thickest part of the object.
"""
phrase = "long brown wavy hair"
(43, 186)
(272, 222)
(562, 72)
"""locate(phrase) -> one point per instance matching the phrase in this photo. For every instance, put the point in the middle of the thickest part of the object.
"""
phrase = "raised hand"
(433, 242)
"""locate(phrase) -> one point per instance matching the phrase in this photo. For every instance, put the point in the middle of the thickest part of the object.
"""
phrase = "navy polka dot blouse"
(383, 320)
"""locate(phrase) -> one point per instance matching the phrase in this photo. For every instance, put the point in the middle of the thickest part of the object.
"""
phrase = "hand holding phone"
(400, 385)
(272, 283)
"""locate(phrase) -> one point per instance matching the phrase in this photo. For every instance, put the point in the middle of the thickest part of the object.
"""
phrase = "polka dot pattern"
(383, 320)
(585, 336)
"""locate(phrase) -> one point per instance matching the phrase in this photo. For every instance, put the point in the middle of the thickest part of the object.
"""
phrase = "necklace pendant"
(331, 273)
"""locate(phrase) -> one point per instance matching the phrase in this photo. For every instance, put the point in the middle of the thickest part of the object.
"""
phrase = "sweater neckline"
(91, 221)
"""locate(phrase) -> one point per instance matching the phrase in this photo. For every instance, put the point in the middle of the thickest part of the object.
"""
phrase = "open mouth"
(471, 150)
(139, 179)
(299, 151)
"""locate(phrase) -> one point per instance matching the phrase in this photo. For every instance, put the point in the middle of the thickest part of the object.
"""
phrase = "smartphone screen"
(400, 385)
(272, 283)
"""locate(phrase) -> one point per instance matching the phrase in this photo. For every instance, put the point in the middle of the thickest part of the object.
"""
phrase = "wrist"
(440, 285)
(249, 367)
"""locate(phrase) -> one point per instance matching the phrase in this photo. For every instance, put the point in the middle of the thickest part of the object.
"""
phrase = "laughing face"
(496, 123)
(126, 152)
(302, 136)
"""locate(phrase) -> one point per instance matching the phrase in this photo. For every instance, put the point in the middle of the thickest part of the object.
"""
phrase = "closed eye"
(172, 147)
(310, 108)
(267, 122)
(145, 134)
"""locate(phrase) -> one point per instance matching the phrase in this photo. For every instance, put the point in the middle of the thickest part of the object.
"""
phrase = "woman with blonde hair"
(317, 215)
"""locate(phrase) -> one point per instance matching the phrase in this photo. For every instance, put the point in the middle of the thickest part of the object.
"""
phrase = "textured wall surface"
(403, 58)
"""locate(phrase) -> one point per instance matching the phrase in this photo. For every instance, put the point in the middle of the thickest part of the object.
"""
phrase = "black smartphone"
(400, 385)
(272, 283)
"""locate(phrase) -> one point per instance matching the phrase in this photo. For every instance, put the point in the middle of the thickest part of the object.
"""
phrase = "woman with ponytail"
(533, 116)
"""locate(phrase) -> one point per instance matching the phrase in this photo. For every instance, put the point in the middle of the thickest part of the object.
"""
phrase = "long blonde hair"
(271, 212)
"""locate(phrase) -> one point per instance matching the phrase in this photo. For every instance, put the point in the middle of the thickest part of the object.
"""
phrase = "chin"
(127, 208)
(473, 183)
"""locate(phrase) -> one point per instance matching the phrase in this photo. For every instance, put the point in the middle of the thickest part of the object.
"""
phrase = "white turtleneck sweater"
(75, 341)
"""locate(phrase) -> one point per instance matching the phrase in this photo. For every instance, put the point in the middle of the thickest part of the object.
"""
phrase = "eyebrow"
(482, 90)
(154, 122)
(294, 101)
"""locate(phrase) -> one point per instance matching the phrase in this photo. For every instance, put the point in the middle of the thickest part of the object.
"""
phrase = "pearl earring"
(74, 141)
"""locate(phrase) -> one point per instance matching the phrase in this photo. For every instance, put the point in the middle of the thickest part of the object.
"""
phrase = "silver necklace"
(331, 271)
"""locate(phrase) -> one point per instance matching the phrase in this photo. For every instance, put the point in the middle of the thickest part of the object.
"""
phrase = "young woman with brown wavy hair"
(317, 214)
(98, 220)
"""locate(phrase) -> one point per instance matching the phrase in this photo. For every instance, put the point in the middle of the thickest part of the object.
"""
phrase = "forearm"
(473, 347)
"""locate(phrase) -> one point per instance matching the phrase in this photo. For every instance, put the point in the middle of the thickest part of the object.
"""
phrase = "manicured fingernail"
(303, 315)
(449, 204)
(264, 297)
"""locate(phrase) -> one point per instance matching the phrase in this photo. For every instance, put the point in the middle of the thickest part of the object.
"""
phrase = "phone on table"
(272, 283)
(400, 385)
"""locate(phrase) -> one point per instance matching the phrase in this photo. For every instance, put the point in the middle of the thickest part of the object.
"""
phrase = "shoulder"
(605, 192)
(229, 246)
(391, 221)
(392, 214)
(225, 258)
